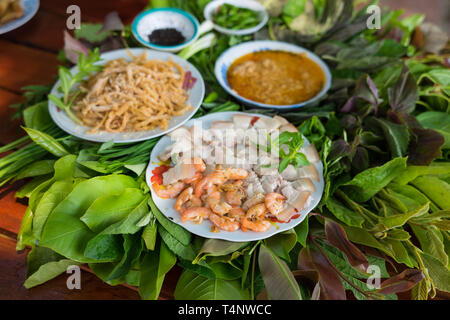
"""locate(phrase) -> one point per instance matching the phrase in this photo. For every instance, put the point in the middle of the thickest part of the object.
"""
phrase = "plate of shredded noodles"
(139, 94)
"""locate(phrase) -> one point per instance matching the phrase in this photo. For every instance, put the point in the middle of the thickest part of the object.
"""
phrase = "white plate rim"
(224, 235)
(80, 131)
(17, 23)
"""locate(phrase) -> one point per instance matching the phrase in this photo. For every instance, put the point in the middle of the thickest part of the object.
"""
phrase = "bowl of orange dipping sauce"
(273, 74)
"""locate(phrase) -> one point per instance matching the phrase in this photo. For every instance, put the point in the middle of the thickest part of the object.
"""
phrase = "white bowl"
(148, 21)
(213, 6)
(229, 56)
(196, 95)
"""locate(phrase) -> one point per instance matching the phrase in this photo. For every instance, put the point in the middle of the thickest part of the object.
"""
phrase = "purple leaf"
(337, 237)
(73, 48)
(112, 22)
(404, 94)
(425, 146)
(365, 90)
(402, 282)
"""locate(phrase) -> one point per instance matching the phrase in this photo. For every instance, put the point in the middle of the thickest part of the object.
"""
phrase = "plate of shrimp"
(219, 177)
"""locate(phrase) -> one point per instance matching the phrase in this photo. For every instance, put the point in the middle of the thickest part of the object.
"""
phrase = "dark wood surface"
(28, 55)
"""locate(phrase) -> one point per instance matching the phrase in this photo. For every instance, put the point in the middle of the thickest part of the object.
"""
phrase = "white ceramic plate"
(30, 7)
(204, 229)
(196, 95)
(212, 7)
(229, 56)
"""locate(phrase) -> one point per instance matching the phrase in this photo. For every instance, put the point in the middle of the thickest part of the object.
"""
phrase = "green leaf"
(44, 265)
(132, 247)
(396, 135)
(25, 236)
(90, 32)
(344, 214)
(110, 209)
(368, 183)
(149, 235)
(37, 116)
(437, 271)
(192, 286)
(176, 231)
(438, 121)
(64, 232)
(154, 267)
(302, 231)
(182, 251)
(435, 189)
(37, 168)
(282, 243)
(47, 142)
(399, 220)
(216, 247)
(278, 279)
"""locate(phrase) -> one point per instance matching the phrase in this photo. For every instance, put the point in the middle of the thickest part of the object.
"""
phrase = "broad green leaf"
(149, 235)
(217, 247)
(25, 236)
(278, 279)
(398, 220)
(51, 198)
(178, 232)
(44, 265)
(64, 232)
(47, 142)
(153, 270)
(282, 243)
(182, 251)
(27, 189)
(437, 271)
(368, 183)
(192, 286)
(401, 254)
(91, 32)
(431, 242)
(37, 168)
(302, 231)
(364, 237)
(110, 209)
(435, 189)
(37, 116)
(420, 291)
(350, 217)
(132, 247)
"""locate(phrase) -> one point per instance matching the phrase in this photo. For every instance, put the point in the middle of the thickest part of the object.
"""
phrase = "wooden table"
(28, 55)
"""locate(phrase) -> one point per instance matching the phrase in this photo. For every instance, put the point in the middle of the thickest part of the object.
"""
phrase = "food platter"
(166, 206)
(196, 94)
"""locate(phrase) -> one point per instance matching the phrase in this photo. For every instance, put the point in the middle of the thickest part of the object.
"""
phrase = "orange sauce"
(276, 77)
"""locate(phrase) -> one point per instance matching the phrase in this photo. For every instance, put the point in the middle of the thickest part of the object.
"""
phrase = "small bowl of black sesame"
(165, 29)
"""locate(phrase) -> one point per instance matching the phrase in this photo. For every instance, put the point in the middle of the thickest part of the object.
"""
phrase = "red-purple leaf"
(404, 94)
(425, 146)
(73, 48)
(112, 22)
(331, 287)
(365, 90)
(337, 237)
(402, 282)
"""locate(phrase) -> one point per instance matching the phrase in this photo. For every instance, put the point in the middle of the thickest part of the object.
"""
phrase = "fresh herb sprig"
(294, 142)
(86, 65)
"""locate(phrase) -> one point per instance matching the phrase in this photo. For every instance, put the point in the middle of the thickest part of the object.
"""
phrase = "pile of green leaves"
(383, 136)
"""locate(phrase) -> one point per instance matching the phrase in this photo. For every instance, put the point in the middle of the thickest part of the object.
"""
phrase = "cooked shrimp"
(274, 203)
(257, 211)
(186, 200)
(215, 178)
(199, 165)
(224, 223)
(170, 191)
(237, 214)
(214, 200)
(254, 200)
(256, 225)
(194, 179)
(196, 214)
(234, 198)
